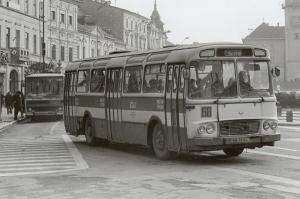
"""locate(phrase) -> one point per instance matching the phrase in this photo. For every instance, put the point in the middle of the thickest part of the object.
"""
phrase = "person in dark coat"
(18, 100)
(9, 102)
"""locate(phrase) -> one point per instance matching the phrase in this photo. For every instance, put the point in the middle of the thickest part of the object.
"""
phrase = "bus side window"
(133, 79)
(98, 81)
(154, 79)
(83, 81)
(169, 79)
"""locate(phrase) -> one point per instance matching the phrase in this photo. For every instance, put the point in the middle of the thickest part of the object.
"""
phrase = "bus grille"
(44, 109)
(228, 128)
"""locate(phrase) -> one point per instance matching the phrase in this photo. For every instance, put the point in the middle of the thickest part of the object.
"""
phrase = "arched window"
(53, 52)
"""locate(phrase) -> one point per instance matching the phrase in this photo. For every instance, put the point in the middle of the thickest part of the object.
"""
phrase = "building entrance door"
(13, 81)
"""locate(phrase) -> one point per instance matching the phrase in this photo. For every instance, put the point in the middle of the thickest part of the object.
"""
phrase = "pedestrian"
(8, 102)
(1, 104)
(17, 101)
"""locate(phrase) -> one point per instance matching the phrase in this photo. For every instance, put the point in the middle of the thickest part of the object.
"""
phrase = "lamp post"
(186, 38)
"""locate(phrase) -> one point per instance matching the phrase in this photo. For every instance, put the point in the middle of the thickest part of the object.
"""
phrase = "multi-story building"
(136, 31)
(292, 35)
(19, 41)
(272, 38)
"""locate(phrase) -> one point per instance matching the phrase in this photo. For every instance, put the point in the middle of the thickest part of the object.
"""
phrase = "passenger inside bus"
(133, 84)
(217, 87)
(245, 86)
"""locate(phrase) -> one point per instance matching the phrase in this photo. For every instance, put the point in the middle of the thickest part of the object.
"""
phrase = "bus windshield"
(212, 79)
(253, 78)
(44, 87)
(217, 79)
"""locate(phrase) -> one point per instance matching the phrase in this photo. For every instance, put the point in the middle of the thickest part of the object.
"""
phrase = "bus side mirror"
(186, 74)
(275, 71)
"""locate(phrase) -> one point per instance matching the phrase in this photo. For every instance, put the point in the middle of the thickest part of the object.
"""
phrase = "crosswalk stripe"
(44, 154)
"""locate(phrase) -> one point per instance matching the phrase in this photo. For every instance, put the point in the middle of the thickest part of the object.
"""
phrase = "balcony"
(19, 55)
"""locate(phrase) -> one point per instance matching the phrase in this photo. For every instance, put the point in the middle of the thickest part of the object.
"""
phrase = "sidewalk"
(296, 118)
(7, 120)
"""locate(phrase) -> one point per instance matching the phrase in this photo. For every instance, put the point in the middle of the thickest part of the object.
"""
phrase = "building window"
(34, 44)
(0, 36)
(26, 6)
(62, 53)
(27, 40)
(131, 40)
(83, 52)
(7, 37)
(78, 52)
(297, 36)
(70, 20)
(35, 8)
(127, 23)
(70, 54)
(53, 15)
(53, 52)
(93, 52)
(62, 18)
(131, 25)
(18, 35)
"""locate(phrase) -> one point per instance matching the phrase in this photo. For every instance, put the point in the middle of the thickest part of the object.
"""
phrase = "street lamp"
(186, 38)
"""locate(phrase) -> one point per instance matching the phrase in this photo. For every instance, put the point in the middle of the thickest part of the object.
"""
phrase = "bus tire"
(91, 140)
(160, 144)
(232, 152)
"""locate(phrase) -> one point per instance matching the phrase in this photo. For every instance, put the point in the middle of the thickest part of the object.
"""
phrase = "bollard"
(279, 111)
(289, 116)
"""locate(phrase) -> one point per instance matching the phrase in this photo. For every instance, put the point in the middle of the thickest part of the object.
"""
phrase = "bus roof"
(45, 75)
(169, 51)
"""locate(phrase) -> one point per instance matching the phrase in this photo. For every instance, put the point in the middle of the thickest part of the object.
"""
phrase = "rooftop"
(265, 31)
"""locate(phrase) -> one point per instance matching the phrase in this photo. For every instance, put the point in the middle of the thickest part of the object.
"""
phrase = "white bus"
(175, 100)
(44, 95)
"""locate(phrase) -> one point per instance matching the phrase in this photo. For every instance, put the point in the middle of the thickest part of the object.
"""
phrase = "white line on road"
(280, 148)
(53, 127)
(275, 155)
(271, 178)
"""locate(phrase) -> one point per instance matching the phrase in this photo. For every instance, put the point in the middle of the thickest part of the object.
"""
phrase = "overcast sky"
(209, 20)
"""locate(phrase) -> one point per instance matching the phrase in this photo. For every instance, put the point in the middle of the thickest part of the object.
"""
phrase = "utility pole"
(43, 44)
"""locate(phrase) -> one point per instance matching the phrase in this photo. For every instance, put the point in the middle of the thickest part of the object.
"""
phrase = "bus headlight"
(201, 130)
(210, 128)
(273, 125)
(29, 109)
(266, 125)
(60, 109)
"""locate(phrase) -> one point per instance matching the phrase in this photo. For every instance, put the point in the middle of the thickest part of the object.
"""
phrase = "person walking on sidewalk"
(9, 102)
(18, 104)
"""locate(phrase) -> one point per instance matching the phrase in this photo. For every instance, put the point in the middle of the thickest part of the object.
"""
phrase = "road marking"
(277, 179)
(275, 154)
(50, 153)
(53, 128)
(280, 148)
(290, 127)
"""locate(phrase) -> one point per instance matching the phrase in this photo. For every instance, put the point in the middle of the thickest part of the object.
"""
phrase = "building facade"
(273, 39)
(19, 41)
(292, 35)
(136, 31)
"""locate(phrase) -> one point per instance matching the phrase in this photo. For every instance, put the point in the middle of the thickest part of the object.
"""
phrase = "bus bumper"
(209, 144)
(46, 113)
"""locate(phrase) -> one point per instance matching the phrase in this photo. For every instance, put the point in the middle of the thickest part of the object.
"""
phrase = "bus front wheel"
(160, 144)
(232, 152)
(89, 132)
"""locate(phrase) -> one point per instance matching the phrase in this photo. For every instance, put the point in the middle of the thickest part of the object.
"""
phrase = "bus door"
(175, 117)
(66, 101)
(113, 101)
(71, 103)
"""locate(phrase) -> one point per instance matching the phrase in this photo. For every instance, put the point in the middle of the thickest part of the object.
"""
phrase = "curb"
(287, 124)
(5, 126)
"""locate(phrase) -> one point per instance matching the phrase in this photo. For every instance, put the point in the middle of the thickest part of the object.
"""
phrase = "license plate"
(238, 140)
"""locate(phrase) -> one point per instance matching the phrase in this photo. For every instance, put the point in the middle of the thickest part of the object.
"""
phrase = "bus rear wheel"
(160, 144)
(232, 152)
(89, 133)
